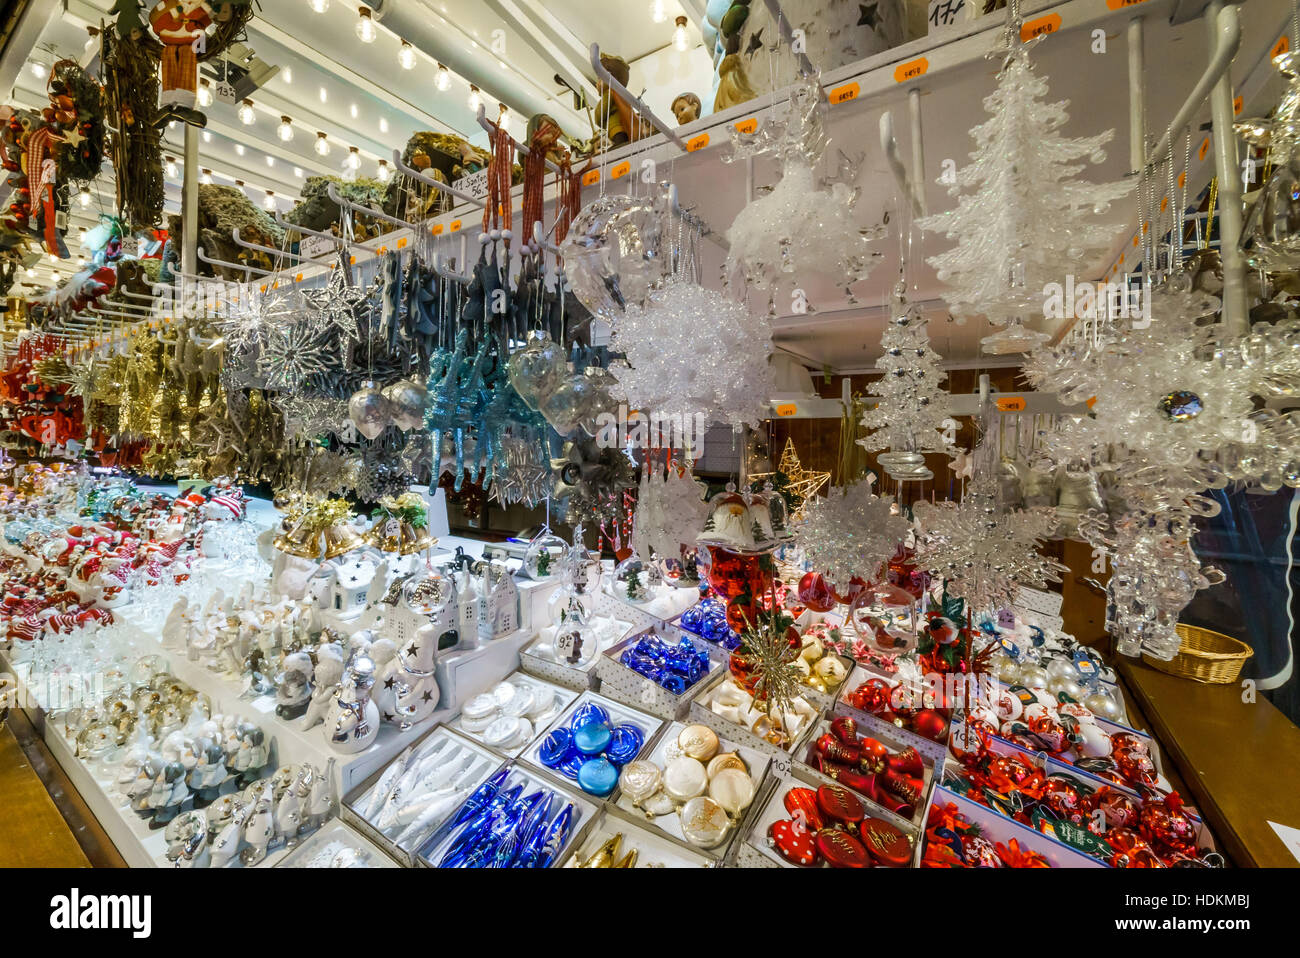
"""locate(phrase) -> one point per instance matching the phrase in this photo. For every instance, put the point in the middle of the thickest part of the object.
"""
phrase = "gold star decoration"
(802, 482)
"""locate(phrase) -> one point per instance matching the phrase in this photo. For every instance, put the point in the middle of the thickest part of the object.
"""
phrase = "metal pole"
(190, 202)
(918, 149)
(1137, 147)
(1236, 314)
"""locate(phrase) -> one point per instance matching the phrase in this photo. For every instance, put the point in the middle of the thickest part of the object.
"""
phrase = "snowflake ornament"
(691, 352)
(850, 532)
(292, 355)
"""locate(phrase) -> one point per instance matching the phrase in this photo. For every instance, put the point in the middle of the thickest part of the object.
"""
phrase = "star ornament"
(804, 483)
(335, 305)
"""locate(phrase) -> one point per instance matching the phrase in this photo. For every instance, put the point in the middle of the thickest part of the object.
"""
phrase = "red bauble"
(872, 696)
(1167, 826)
(930, 724)
(815, 593)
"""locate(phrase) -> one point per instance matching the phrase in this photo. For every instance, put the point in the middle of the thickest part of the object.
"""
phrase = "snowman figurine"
(415, 682)
(353, 719)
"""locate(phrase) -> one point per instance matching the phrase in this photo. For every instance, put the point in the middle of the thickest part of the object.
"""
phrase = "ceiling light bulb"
(239, 148)
(406, 56)
(384, 172)
(270, 160)
(297, 171)
(287, 74)
(679, 34)
(324, 94)
(269, 202)
(205, 94)
(39, 69)
(366, 31)
(354, 111)
(206, 177)
(475, 101)
(443, 79)
(505, 120)
(84, 197)
(246, 114)
(353, 160)
(207, 136)
(322, 145)
(285, 132)
(318, 6)
(30, 271)
(657, 12)
(170, 168)
(383, 124)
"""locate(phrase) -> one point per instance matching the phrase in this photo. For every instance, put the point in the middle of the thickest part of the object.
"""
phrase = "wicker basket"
(1205, 656)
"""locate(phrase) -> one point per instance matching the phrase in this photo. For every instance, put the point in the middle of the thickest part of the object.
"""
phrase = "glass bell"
(542, 558)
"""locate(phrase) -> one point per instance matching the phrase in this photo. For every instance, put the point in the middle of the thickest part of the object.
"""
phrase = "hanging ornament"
(795, 484)
(803, 224)
(319, 530)
(406, 399)
(369, 411)
(537, 369)
(401, 525)
(614, 253)
(850, 532)
(1023, 219)
(670, 509)
(692, 352)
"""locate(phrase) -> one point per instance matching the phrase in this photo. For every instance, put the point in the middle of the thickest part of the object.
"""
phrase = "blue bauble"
(586, 714)
(624, 743)
(555, 748)
(598, 776)
(591, 739)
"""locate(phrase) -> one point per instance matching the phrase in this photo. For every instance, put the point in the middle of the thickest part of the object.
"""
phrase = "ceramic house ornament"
(498, 602)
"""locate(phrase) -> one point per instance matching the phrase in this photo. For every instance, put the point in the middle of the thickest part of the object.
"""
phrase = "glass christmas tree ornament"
(614, 253)
(632, 580)
(1271, 235)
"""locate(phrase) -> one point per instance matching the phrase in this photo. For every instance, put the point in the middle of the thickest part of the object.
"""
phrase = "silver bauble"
(1062, 668)
(406, 403)
(369, 411)
(1101, 703)
(1033, 676)
(1064, 685)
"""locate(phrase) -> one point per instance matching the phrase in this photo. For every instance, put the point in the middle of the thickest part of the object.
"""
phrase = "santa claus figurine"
(180, 26)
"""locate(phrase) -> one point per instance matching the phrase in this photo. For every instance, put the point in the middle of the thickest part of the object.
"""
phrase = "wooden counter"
(1240, 762)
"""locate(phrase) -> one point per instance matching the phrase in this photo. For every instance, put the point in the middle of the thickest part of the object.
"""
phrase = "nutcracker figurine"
(180, 25)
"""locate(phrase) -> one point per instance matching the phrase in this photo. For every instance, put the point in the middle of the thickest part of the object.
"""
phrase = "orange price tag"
(262, 288)
(1010, 403)
(454, 226)
(843, 94)
(437, 229)
(1121, 4)
(352, 261)
(590, 177)
(1040, 27)
(1090, 402)
(1164, 204)
(620, 171)
(1182, 179)
(1237, 104)
(747, 126)
(911, 69)
(787, 409)
(401, 243)
(383, 250)
(1281, 47)
(697, 143)
(1205, 148)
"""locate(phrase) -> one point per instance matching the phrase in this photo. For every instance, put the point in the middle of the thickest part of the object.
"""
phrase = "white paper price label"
(564, 644)
(475, 184)
(781, 767)
(314, 247)
(223, 92)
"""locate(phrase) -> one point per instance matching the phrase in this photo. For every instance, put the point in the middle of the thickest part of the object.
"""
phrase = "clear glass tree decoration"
(1023, 217)
(247, 323)
(850, 532)
(805, 223)
(914, 414)
(671, 507)
(983, 550)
